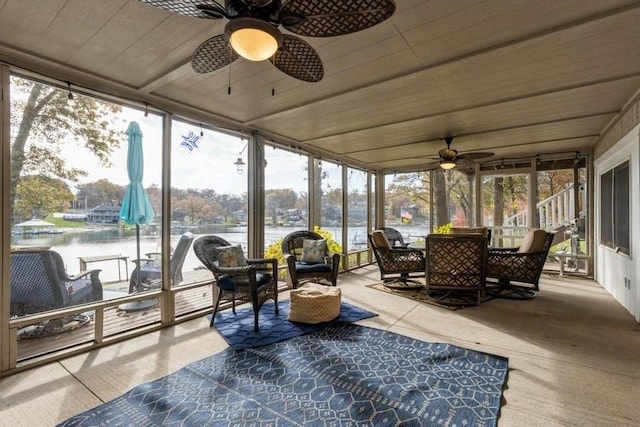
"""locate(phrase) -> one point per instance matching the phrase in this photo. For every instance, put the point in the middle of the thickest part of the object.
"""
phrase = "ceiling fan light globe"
(253, 39)
(447, 164)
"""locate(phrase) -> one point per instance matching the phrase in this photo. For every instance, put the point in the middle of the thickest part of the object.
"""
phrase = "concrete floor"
(574, 355)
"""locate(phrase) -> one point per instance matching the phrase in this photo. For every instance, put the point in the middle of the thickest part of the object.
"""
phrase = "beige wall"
(626, 121)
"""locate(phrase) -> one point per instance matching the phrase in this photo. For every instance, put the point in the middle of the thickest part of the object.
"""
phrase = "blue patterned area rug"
(237, 328)
(343, 375)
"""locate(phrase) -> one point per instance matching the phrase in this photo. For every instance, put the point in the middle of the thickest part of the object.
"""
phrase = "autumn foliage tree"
(42, 117)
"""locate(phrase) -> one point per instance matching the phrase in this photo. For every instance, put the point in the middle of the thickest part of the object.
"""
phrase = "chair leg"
(215, 308)
(256, 328)
(275, 299)
(256, 310)
(233, 303)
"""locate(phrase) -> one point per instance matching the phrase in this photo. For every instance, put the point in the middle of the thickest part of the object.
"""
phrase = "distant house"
(104, 214)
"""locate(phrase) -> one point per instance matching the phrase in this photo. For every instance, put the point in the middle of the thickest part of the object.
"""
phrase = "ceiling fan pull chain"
(273, 76)
(230, 61)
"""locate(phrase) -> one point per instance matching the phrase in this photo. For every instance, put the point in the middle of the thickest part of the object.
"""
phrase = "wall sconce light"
(70, 94)
(239, 165)
(239, 162)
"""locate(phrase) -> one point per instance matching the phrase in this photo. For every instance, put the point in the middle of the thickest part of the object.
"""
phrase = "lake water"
(112, 240)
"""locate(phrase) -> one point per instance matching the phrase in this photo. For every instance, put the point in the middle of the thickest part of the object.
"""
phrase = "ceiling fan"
(450, 158)
(252, 31)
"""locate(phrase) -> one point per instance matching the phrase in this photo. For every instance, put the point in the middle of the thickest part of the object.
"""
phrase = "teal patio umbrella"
(136, 208)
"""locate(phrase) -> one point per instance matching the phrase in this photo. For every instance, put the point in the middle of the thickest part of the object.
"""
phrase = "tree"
(38, 196)
(194, 208)
(96, 193)
(278, 201)
(42, 116)
(408, 189)
(553, 181)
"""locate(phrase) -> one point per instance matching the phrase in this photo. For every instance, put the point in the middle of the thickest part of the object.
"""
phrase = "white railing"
(557, 210)
(553, 212)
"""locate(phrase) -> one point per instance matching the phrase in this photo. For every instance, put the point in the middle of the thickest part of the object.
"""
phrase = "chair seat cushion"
(226, 283)
(312, 267)
(313, 303)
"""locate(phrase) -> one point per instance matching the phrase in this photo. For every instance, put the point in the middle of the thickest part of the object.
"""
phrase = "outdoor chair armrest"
(236, 271)
(513, 253)
(261, 260)
(503, 250)
(265, 264)
(291, 260)
(401, 246)
(404, 251)
(333, 259)
(92, 273)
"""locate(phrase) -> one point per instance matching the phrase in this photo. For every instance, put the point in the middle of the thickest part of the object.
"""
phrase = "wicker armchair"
(522, 265)
(39, 282)
(299, 271)
(398, 266)
(456, 268)
(150, 272)
(256, 282)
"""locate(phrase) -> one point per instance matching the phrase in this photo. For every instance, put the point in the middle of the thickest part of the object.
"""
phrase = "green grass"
(62, 223)
(566, 246)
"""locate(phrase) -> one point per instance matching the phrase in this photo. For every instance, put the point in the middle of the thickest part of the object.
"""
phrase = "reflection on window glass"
(357, 209)
(615, 223)
(208, 188)
(454, 196)
(407, 204)
(286, 197)
(330, 197)
(69, 176)
(560, 206)
(505, 207)
(372, 213)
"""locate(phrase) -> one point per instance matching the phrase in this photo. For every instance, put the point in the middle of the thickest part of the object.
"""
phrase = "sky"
(203, 162)
(208, 165)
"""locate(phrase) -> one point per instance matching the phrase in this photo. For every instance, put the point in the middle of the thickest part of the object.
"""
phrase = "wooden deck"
(109, 323)
(117, 321)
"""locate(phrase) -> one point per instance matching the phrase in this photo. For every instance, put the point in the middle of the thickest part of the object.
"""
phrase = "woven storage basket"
(314, 303)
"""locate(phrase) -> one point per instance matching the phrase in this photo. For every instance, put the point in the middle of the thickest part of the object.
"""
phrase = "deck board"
(116, 321)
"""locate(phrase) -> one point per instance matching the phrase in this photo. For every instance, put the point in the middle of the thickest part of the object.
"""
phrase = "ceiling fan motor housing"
(267, 10)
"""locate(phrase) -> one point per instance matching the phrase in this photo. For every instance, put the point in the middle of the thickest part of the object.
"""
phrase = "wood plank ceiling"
(512, 77)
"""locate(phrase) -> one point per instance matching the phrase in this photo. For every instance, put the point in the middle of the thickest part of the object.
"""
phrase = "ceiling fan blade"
(469, 157)
(298, 59)
(213, 54)
(207, 9)
(326, 18)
